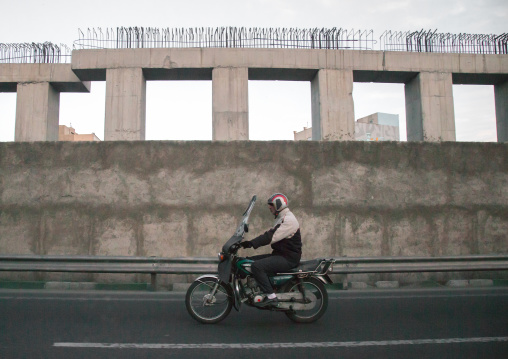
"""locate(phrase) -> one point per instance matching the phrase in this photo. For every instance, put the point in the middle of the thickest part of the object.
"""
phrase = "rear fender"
(325, 279)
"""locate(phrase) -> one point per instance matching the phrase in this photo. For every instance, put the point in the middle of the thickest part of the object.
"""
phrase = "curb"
(71, 285)
(52, 285)
(387, 284)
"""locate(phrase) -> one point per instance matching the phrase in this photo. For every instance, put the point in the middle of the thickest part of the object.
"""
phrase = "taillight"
(221, 257)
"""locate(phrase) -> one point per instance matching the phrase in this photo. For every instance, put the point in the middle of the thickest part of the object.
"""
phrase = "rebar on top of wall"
(335, 38)
(229, 37)
(432, 41)
(35, 53)
(233, 37)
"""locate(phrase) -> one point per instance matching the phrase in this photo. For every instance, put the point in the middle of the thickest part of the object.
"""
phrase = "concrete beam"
(392, 77)
(60, 76)
(204, 74)
(333, 117)
(501, 98)
(125, 105)
(429, 107)
(37, 112)
(282, 74)
(478, 79)
(230, 104)
(91, 64)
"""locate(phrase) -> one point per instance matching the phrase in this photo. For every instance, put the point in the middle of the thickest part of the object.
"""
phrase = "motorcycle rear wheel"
(315, 287)
(204, 307)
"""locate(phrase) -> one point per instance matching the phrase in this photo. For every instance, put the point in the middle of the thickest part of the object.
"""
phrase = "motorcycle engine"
(253, 286)
(251, 283)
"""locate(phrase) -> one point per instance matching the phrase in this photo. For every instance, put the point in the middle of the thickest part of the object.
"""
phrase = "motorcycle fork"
(214, 290)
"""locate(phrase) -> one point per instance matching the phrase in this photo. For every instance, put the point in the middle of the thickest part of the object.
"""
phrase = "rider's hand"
(246, 244)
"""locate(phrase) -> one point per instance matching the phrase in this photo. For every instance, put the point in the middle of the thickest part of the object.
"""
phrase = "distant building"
(305, 135)
(69, 134)
(376, 127)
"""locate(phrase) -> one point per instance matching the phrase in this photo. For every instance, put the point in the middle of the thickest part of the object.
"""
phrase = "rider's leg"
(270, 264)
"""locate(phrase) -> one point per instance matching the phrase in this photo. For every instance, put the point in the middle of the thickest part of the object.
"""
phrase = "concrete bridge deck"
(428, 79)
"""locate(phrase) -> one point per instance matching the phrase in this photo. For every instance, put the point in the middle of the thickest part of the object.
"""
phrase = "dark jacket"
(284, 237)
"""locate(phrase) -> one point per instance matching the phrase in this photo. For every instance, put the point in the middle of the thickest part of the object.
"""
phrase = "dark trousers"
(268, 264)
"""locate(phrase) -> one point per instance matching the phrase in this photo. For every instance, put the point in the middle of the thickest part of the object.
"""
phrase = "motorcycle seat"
(308, 266)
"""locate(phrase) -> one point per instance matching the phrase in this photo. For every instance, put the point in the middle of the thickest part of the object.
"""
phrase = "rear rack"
(321, 266)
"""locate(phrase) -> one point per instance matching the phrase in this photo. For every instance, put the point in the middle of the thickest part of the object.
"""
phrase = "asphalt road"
(423, 323)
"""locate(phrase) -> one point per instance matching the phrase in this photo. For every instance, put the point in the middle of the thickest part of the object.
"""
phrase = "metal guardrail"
(345, 265)
(161, 265)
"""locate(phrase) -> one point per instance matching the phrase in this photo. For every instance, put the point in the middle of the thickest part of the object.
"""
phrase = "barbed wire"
(241, 37)
(36, 53)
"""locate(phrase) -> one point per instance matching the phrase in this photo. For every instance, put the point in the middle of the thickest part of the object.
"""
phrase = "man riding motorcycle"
(286, 242)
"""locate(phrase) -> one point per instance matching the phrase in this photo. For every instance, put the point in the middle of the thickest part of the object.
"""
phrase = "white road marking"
(281, 345)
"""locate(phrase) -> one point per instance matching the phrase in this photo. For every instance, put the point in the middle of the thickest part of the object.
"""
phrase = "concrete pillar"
(501, 98)
(125, 105)
(37, 112)
(429, 107)
(230, 104)
(333, 117)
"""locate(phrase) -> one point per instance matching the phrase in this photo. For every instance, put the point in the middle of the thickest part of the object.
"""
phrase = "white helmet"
(278, 201)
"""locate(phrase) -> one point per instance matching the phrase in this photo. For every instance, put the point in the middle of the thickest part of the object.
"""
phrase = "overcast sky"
(181, 110)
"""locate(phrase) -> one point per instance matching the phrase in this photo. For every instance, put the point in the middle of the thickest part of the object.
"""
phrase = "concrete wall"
(177, 199)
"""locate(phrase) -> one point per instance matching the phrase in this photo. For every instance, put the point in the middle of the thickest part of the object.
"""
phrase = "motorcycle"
(301, 292)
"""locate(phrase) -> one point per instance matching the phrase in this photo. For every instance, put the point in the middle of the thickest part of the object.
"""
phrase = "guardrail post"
(153, 281)
(345, 283)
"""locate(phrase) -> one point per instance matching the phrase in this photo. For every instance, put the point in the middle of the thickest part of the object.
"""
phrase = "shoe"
(268, 303)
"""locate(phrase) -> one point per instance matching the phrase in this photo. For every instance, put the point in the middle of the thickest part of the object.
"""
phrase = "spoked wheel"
(317, 300)
(206, 306)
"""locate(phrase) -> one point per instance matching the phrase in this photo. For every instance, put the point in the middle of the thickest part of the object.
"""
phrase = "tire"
(320, 295)
(199, 305)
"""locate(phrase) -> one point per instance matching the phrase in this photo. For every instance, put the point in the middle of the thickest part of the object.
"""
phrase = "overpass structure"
(428, 80)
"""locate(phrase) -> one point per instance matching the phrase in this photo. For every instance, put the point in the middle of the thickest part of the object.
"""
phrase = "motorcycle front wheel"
(205, 306)
(316, 292)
